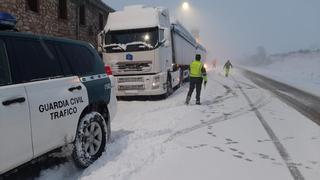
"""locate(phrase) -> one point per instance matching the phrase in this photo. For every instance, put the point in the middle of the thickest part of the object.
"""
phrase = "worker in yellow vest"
(198, 74)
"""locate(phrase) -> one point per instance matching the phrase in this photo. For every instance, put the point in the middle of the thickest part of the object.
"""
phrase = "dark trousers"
(195, 82)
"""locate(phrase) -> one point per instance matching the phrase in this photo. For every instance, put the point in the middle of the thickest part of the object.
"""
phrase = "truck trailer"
(147, 54)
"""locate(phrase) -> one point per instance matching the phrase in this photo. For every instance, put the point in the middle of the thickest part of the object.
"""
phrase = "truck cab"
(136, 43)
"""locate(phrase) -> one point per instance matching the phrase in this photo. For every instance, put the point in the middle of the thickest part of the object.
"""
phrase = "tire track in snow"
(294, 171)
(237, 113)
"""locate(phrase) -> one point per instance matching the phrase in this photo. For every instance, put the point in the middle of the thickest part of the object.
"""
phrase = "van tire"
(90, 139)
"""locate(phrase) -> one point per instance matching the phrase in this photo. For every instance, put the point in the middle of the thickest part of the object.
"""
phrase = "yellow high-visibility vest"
(195, 69)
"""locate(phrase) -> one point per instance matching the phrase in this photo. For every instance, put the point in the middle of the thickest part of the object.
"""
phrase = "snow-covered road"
(223, 139)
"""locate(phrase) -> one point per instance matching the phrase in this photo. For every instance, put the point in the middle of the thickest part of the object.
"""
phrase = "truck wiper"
(115, 45)
(140, 43)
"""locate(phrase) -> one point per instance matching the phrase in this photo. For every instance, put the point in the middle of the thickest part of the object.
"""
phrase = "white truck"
(147, 54)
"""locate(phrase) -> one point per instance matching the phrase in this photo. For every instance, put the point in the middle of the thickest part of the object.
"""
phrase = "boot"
(198, 103)
(187, 100)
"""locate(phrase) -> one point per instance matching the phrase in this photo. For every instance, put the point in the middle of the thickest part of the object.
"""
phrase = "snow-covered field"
(299, 69)
(221, 139)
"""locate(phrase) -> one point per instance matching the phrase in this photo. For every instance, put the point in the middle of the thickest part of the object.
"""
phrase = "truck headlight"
(156, 82)
(156, 79)
(155, 85)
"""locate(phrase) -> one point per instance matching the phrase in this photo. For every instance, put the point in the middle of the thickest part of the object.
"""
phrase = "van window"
(37, 60)
(5, 75)
(81, 60)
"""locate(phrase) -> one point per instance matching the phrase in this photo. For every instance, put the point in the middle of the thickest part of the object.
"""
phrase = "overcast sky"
(233, 28)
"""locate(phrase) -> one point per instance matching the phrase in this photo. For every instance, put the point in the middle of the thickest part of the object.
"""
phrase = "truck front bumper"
(144, 85)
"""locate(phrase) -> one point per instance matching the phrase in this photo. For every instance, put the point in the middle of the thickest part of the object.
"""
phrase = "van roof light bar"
(7, 21)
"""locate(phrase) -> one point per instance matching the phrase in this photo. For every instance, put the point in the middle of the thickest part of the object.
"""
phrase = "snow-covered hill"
(300, 69)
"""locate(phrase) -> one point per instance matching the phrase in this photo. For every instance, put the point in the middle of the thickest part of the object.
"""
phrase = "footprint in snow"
(237, 156)
(197, 146)
(265, 140)
(249, 160)
(241, 153)
(287, 138)
(313, 162)
(203, 145)
(233, 142)
(218, 148)
(233, 149)
(314, 138)
(263, 156)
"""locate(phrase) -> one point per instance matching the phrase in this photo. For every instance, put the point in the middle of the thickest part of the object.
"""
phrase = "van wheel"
(90, 139)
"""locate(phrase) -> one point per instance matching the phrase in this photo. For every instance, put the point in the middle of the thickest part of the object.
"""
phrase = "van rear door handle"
(14, 101)
(75, 88)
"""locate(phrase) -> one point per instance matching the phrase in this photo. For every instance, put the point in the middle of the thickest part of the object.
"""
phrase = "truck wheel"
(90, 139)
(180, 79)
(169, 87)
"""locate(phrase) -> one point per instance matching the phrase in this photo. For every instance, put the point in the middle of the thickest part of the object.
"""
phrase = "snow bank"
(300, 69)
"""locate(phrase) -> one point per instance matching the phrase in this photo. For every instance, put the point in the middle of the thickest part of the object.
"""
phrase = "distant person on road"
(198, 74)
(227, 67)
(214, 63)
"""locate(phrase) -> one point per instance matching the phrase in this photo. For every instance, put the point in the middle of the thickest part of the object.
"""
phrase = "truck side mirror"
(167, 37)
(166, 43)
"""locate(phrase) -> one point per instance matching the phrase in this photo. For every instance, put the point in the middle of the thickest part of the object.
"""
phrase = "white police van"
(53, 92)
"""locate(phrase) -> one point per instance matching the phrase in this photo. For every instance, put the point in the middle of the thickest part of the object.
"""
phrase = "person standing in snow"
(198, 74)
(227, 67)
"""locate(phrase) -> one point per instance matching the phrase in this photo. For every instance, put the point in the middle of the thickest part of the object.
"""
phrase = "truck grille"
(131, 87)
(130, 79)
(132, 67)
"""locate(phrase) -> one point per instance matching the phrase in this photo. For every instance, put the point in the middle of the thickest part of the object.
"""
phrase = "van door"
(15, 130)
(56, 101)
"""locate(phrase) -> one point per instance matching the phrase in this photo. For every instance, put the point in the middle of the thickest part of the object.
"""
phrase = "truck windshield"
(132, 40)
